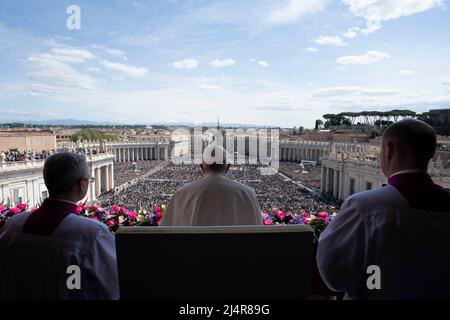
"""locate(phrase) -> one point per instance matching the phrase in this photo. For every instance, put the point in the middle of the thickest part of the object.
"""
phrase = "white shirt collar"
(65, 201)
(406, 171)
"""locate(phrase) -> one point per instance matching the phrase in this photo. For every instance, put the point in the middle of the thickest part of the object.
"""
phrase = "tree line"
(92, 135)
(368, 118)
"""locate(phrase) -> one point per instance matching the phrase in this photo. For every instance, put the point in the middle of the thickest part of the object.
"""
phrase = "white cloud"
(333, 41)
(371, 27)
(263, 64)
(295, 9)
(446, 84)
(350, 34)
(61, 58)
(348, 90)
(222, 63)
(264, 83)
(115, 52)
(368, 58)
(188, 63)
(405, 73)
(125, 68)
(74, 53)
(209, 86)
(310, 49)
(50, 75)
(377, 11)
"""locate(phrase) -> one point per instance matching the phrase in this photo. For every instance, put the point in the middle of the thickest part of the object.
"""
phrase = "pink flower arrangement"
(318, 222)
(7, 212)
(116, 216)
(15, 210)
(132, 215)
(22, 206)
(115, 209)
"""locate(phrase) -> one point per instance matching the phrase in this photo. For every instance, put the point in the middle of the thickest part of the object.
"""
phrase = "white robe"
(35, 267)
(378, 227)
(214, 200)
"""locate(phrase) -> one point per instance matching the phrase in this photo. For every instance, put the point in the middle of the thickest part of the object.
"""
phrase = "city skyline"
(274, 63)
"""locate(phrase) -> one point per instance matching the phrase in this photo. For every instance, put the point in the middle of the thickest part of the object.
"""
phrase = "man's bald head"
(409, 143)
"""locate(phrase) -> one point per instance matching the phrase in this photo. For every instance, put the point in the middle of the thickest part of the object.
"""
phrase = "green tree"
(92, 135)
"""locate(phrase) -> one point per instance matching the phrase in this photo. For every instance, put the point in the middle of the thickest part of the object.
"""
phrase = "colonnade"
(136, 152)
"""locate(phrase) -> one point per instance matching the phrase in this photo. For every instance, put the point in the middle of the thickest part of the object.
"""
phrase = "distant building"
(337, 135)
(27, 140)
(348, 173)
(23, 182)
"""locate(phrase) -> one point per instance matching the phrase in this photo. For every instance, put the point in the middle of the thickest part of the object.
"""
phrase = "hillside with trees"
(92, 135)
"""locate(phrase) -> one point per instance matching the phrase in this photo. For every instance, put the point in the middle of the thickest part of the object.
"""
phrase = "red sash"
(46, 219)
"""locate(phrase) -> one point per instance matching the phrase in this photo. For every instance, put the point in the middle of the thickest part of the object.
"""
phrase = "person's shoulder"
(86, 228)
(240, 186)
(189, 186)
(17, 221)
(378, 198)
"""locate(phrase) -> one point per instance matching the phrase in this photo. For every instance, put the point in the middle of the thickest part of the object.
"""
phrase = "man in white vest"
(53, 253)
(214, 200)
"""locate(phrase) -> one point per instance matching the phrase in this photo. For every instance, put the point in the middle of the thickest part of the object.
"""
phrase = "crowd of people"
(273, 191)
(15, 155)
(124, 172)
(23, 155)
(307, 175)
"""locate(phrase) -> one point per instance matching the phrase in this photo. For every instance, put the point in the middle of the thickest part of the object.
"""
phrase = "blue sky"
(282, 63)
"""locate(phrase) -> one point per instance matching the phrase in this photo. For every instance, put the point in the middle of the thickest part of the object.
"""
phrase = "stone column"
(327, 180)
(323, 179)
(111, 176)
(91, 190)
(98, 182)
(335, 184)
(107, 177)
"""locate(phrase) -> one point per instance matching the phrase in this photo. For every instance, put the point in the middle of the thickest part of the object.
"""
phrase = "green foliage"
(318, 226)
(372, 118)
(92, 135)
